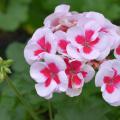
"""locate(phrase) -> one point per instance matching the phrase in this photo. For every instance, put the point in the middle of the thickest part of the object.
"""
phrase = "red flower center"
(51, 72)
(44, 46)
(87, 41)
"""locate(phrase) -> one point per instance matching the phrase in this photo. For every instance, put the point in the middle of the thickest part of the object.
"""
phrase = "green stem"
(20, 97)
(50, 110)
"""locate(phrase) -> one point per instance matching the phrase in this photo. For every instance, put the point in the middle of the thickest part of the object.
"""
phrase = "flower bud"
(4, 68)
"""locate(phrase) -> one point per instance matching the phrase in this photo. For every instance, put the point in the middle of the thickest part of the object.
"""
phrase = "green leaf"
(16, 52)
(16, 13)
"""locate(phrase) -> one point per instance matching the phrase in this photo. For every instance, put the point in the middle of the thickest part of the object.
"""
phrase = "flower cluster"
(63, 54)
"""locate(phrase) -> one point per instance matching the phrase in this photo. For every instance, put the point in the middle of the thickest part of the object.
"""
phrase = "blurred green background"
(18, 20)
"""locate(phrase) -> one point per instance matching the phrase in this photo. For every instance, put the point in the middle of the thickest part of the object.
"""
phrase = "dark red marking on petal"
(76, 65)
(62, 44)
(80, 39)
(46, 72)
(84, 74)
(87, 50)
(116, 79)
(110, 88)
(37, 52)
(53, 67)
(92, 43)
(76, 80)
(118, 50)
(70, 81)
(48, 47)
(41, 42)
(107, 79)
(47, 82)
(56, 78)
(88, 35)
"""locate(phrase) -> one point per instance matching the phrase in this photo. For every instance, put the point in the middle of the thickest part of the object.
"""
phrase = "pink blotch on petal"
(48, 47)
(62, 44)
(88, 35)
(76, 80)
(37, 52)
(87, 50)
(53, 68)
(41, 42)
(110, 88)
(118, 50)
(107, 79)
(80, 39)
(84, 74)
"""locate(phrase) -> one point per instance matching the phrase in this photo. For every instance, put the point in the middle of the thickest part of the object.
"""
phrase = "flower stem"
(20, 97)
(50, 110)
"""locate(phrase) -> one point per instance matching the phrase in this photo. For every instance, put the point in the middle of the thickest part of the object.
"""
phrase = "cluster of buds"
(4, 68)
(65, 52)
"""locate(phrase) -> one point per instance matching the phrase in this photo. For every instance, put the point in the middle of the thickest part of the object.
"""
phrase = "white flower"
(42, 41)
(77, 74)
(108, 78)
(87, 42)
(50, 76)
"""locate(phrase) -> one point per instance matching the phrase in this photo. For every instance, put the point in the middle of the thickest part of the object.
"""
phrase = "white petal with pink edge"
(90, 72)
(35, 72)
(99, 79)
(29, 55)
(73, 92)
(39, 33)
(44, 91)
(63, 81)
(62, 8)
(112, 97)
(94, 53)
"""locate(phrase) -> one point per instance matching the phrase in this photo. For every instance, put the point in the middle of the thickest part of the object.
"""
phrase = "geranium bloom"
(107, 28)
(50, 76)
(108, 78)
(42, 41)
(63, 53)
(77, 74)
(61, 19)
(117, 52)
(87, 41)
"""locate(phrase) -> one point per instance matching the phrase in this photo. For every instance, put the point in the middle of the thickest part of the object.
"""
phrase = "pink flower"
(87, 42)
(61, 19)
(77, 74)
(108, 78)
(107, 28)
(42, 41)
(117, 52)
(49, 75)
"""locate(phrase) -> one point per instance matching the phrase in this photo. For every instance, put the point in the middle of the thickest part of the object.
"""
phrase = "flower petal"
(44, 91)
(73, 92)
(57, 60)
(35, 72)
(62, 8)
(90, 72)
